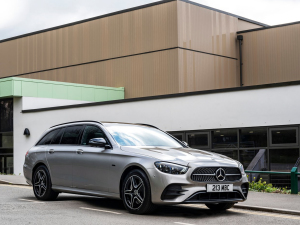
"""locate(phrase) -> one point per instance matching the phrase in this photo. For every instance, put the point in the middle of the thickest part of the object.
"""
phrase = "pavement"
(12, 179)
(258, 201)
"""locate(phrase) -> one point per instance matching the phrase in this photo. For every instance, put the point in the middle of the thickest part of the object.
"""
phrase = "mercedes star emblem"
(220, 174)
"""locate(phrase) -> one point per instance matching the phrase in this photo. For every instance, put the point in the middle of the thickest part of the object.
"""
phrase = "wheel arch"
(36, 166)
(127, 170)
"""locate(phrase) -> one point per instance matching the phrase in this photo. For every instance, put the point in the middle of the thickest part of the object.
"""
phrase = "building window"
(226, 138)
(6, 136)
(283, 159)
(179, 136)
(283, 136)
(254, 159)
(233, 154)
(253, 137)
(198, 140)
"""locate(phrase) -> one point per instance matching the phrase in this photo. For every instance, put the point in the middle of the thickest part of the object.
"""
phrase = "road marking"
(16, 186)
(30, 200)
(98, 210)
(184, 223)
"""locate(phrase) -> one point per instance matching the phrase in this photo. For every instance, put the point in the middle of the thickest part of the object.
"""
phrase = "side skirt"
(85, 192)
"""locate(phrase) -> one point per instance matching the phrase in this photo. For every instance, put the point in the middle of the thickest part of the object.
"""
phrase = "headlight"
(171, 168)
(242, 169)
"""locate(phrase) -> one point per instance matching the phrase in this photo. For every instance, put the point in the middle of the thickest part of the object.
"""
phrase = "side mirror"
(186, 144)
(97, 142)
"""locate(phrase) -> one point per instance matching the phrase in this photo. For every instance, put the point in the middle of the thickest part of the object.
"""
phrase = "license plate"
(219, 187)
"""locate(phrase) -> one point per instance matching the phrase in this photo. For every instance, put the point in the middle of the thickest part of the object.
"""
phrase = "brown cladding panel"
(244, 25)
(8, 58)
(143, 30)
(141, 75)
(206, 30)
(198, 71)
(271, 55)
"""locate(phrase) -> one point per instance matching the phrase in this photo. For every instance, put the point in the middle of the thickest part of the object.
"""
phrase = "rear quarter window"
(46, 140)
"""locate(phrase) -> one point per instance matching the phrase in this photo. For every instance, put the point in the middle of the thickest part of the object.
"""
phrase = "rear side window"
(57, 138)
(46, 140)
(71, 135)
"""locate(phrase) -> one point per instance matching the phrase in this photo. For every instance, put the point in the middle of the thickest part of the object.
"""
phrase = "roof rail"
(82, 121)
(143, 124)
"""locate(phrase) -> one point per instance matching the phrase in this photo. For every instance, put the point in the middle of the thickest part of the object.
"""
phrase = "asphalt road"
(19, 206)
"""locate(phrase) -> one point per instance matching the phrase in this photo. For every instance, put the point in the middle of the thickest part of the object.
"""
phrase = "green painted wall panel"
(100, 95)
(58, 90)
(6, 88)
(17, 86)
(88, 94)
(74, 93)
(29, 89)
(45, 90)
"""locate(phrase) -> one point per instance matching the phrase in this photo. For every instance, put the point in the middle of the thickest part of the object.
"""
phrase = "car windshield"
(138, 135)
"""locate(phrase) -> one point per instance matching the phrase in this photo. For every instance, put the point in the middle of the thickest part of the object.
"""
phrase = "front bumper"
(189, 191)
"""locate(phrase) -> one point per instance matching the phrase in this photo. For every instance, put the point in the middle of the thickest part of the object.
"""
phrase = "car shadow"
(183, 211)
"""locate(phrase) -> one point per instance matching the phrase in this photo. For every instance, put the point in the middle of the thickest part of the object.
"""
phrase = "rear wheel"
(220, 206)
(42, 186)
(136, 193)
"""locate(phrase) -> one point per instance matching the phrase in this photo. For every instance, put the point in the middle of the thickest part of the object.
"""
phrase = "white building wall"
(37, 103)
(249, 108)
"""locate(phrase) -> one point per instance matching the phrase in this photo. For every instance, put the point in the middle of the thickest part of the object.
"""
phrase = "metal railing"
(294, 176)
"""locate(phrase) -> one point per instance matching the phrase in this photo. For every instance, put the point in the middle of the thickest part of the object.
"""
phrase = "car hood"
(183, 156)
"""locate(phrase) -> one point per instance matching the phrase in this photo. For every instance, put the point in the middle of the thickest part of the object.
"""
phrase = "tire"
(42, 186)
(136, 193)
(220, 206)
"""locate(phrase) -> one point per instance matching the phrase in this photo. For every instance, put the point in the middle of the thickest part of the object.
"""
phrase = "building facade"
(219, 81)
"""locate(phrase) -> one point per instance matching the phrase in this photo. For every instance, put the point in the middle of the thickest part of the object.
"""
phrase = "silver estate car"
(138, 163)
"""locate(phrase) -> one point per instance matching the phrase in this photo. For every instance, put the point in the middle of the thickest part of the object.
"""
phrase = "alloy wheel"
(40, 183)
(134, 192)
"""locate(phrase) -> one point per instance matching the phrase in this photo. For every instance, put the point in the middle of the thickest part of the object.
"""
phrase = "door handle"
(51, 151)
(79, 151)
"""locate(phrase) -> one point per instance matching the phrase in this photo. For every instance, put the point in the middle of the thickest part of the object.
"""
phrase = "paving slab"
(13, 179)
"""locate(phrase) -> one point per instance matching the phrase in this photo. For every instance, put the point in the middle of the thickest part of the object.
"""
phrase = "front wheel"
(136, 193)
(220, 206)
(42, 186)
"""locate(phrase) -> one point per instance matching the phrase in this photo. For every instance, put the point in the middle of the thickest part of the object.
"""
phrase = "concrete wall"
(249, 108)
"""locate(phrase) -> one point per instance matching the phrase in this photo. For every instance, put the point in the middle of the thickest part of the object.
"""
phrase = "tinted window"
(246, 157)
(283, 159)
(198, 140)
(253, 137)
(138, 135)
(56, 139)
(91, 132)
(6, 115)
(284, 136)
(233, 154)
(178, 136)
(225, 138)
(71, 135)
(46, 140)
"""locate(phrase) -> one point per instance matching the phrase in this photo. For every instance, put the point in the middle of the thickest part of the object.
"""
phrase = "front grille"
(208, 174)
(205, 197)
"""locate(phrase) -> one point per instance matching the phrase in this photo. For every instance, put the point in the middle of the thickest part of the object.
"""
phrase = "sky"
(24, 16)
